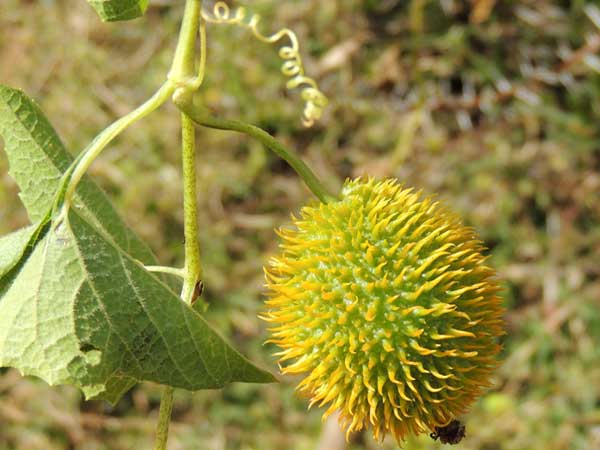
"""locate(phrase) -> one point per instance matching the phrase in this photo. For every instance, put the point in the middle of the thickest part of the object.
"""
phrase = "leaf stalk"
(112, 131)
(202, 117)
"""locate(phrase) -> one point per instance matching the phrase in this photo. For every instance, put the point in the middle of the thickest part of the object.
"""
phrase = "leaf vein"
(141, 303)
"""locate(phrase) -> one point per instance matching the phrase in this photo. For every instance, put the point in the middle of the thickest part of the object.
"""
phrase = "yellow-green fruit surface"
(383, 299)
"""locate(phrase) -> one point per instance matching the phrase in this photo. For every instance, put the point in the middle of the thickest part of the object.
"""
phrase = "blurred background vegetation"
(492, 105)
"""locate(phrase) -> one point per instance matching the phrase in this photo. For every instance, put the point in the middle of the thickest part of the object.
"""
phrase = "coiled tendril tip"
(292, 67)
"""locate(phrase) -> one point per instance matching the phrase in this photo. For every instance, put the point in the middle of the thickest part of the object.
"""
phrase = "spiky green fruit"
(383, 298)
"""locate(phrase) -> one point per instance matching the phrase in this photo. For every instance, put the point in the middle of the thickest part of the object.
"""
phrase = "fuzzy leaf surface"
(75, 305)
(37, 160)
(116, 10)
(13, 246)
(102, 322)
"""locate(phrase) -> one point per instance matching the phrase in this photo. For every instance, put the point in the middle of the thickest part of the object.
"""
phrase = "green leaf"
(13, 247)
(102, 321)
(76, 307)
(38, 159)
(115, 10)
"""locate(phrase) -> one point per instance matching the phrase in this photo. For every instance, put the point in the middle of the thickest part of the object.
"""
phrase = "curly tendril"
(292, 66)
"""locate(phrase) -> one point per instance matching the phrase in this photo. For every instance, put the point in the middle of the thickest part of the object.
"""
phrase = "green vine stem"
(164, 418)
(184, 61)
(182, 74)
(192, 269)
(201, 117)
(192, 266)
